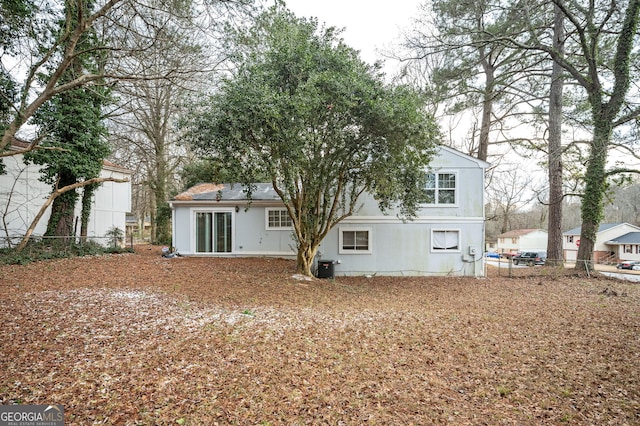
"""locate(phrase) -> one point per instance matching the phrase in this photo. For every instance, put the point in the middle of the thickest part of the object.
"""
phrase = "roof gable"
(456, 157)
(603, 227)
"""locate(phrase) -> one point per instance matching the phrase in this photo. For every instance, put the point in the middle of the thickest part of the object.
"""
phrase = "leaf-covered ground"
(139, 339)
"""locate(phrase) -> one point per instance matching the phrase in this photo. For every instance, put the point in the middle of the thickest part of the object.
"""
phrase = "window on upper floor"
(440, 188)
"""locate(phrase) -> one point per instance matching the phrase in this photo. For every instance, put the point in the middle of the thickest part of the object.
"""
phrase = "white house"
(614, 241)
(447, 237)
(520, 240)
(22, 195)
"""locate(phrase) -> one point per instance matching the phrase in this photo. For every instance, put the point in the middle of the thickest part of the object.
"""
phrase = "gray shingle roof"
(629, 238)
(602, 227)
(229, 192)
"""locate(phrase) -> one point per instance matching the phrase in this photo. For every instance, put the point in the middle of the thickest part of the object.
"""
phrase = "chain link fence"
(507, 268)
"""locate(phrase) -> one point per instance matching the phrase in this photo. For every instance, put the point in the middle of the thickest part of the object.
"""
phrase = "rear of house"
(447, 237)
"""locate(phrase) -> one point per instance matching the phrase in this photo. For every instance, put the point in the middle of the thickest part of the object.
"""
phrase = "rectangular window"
(445, 240)
(440, 188)
(627, 249)
(278, 219)
(355, 240)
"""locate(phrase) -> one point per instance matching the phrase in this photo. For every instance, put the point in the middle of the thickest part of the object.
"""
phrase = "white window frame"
(193, 225)
(342, 250)
(445, 250)
(436, 189)
(276, 228)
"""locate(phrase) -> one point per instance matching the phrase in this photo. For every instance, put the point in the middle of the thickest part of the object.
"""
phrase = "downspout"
(173, 226)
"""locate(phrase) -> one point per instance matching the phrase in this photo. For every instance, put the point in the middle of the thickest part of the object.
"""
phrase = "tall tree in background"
(473, 71)
(72, 128)
(145, 124)
(555, 254)
(604, 47)
(145, 135)
(302, 108)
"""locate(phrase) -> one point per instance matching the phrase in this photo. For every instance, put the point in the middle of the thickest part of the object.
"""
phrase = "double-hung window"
(440, 188)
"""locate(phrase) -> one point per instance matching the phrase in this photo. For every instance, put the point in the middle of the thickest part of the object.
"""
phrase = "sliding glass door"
(213, 232)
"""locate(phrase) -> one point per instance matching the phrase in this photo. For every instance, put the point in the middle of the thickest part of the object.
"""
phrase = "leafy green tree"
(302, 108)
(210, 170)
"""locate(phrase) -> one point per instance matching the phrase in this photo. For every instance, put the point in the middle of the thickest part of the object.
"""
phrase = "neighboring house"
(22, 195)
(520, 240)
(614, 241)
(447, 237)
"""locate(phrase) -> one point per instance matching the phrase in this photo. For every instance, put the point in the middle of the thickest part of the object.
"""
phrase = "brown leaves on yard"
(140, 339)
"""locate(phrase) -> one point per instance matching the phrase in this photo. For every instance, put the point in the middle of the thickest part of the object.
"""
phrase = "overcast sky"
(369, 26)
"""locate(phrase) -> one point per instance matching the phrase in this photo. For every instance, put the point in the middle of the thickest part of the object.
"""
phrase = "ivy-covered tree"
(603, 40)
(73, 147)
(302, 108)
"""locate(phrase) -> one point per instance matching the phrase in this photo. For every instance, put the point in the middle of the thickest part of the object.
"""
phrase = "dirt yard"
(137, 339)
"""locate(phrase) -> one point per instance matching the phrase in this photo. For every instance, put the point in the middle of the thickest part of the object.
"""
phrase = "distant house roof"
(518, 233)
(113, 166)
(19, 144)
(602, 227)
(628, 238)
(228, 192)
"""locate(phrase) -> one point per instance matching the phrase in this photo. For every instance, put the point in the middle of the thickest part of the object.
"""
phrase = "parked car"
(530, 258)
(492, 255)
(628, 264)
(508, 255)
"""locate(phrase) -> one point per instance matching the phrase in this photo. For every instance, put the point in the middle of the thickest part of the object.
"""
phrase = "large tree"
(604, 44)
(302, 108)
(71, 127)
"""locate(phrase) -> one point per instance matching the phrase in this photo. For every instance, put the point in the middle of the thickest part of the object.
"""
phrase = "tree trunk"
(487, 107)
(592, 201)
(306, 256)
(555, 255)
(63, 210)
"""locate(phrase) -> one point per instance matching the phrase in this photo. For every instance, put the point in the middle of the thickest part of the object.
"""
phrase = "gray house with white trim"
(446, 237)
